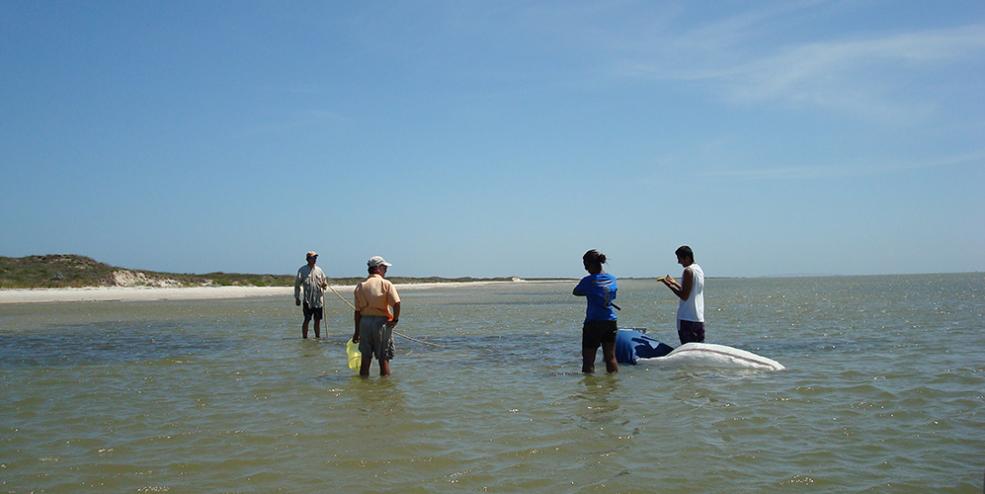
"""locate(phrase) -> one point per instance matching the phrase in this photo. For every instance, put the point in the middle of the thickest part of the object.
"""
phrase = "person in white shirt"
(312, 279)
(691, 291)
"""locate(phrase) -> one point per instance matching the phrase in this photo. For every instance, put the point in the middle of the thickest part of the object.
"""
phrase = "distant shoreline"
(81, 272)
(147, 294)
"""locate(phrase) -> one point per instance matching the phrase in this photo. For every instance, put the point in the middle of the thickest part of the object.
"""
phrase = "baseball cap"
(377, 261)
(310, 254)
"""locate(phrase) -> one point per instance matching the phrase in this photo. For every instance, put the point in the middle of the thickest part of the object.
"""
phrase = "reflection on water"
(375, 398)
(597, 404)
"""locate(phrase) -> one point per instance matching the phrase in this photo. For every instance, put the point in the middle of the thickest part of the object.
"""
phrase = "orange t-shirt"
(375, 296)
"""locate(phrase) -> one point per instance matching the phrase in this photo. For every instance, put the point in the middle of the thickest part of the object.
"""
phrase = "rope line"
(339, 295)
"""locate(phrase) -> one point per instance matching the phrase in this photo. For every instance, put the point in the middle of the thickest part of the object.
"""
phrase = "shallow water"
(883, 393)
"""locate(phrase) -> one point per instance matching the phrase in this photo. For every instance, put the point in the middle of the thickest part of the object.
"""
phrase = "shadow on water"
(599, 406)
(376, 395)
(104, 343)
(371, 395)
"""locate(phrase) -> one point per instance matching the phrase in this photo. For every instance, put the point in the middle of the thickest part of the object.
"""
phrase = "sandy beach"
(134, 294)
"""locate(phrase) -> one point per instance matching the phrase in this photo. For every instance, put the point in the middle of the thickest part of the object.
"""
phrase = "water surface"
(883, 393)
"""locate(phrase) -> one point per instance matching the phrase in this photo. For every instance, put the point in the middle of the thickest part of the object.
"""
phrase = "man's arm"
(396, 315)
(688, 284)
(356, 317)
(682, 291)
(356, 314)
(669, 282)
(297, 288)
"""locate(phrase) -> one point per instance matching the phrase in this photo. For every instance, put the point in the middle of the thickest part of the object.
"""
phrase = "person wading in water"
(599, 290)
(691, 291)
(314, 282)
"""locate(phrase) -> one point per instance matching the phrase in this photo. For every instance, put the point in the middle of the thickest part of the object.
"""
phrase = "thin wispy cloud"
(853, 73)
(859, 75)
(675, 49)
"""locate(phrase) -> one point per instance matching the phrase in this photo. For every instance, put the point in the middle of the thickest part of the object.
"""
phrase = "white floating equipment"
(710, 355)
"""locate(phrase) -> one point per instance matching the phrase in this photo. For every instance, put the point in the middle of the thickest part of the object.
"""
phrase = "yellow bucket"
(355, 358)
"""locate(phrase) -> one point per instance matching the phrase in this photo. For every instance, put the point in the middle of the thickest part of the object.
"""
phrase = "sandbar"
(138, 294)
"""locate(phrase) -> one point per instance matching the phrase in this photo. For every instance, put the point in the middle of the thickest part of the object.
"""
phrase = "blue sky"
(496, 138)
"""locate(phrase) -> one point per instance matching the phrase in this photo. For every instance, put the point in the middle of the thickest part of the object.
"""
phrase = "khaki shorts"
(375, 338)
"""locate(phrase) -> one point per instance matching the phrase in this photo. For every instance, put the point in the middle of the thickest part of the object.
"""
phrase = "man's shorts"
(375, 337)
(690, 331)
(594, 333)
(308, 312)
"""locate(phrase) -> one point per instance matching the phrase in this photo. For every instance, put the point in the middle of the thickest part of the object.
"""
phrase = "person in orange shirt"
(377, 313)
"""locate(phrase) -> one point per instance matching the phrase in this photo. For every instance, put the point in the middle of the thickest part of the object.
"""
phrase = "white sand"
(133, 294)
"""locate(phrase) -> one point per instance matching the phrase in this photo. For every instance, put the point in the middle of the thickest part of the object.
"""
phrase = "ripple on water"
(101, 344)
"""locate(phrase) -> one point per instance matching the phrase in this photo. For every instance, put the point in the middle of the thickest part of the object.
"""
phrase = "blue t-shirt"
(600, 290)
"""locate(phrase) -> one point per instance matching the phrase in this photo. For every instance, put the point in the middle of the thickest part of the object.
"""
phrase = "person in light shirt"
(312, 279)
(691, 291)
(377, 312)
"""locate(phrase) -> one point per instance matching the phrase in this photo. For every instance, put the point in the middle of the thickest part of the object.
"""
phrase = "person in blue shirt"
(599, 290)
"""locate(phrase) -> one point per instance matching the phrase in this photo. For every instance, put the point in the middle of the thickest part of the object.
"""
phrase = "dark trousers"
(690, 331)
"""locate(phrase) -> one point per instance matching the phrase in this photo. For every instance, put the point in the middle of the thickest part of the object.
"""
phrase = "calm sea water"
(884, 392)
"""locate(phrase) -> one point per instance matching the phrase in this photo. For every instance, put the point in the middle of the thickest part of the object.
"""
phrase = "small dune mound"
(125, 277)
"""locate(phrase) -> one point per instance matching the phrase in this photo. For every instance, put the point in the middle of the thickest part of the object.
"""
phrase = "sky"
(503, 138)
